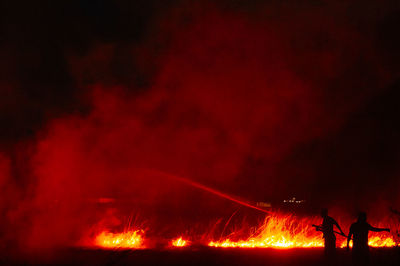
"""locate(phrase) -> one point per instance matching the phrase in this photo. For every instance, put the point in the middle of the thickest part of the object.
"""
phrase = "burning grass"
(179, 242)
(276, 231)
(292, 232)
(128, 239)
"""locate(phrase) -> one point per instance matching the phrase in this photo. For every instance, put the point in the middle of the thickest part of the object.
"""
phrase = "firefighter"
(359, 231)
(328, 233)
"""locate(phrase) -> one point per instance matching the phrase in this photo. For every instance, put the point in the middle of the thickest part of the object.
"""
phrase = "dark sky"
(37, 38)
(261, 99)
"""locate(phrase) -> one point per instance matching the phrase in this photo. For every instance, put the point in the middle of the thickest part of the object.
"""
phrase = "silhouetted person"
(328, 233)
(359, 230)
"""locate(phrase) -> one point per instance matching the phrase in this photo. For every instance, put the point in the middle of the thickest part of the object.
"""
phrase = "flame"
(381, 241)
(376, 241)
(291, 232)
(279, 232)
(179, 242)
(128, 239)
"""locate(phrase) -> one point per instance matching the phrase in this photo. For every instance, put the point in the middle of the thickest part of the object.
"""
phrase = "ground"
(197, 256)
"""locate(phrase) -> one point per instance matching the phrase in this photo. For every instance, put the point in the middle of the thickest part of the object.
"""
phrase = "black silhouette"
(328, 233)
(359, 230)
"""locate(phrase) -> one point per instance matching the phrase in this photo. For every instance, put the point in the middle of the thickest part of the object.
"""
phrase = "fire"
(379, 241)
(128, 239)
(291, 232)
(179, 242)
(376, 241)
(278, 232)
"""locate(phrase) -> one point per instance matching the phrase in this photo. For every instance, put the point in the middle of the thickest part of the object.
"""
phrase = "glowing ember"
(179, 242)
(128, 239)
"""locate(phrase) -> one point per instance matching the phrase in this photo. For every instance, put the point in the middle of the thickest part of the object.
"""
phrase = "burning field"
(276, 231)
(279, 240)
(197, 132)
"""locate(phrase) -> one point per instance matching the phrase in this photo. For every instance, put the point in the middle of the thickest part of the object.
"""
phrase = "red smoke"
(227, 91)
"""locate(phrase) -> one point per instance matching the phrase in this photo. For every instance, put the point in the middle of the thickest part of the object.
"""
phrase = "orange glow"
(381, 241)
(375, 240)
(279, 232)
(128, 239)
(179, 242)
(291, 232)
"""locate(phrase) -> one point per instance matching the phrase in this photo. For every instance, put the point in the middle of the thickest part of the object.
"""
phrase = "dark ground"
(199, 256)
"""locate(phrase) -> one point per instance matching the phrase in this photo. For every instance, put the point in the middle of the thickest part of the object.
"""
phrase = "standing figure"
(328, 233)
(359, 230)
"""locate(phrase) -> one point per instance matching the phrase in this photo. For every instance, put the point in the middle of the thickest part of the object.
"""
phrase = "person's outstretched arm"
(376, 229)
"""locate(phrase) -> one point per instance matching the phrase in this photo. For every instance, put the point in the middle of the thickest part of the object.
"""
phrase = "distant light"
(293, 200)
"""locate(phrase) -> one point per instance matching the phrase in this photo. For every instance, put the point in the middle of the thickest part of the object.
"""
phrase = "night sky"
(264, 100)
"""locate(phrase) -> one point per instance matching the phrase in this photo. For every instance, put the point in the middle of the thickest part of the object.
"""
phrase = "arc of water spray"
(206, 188)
